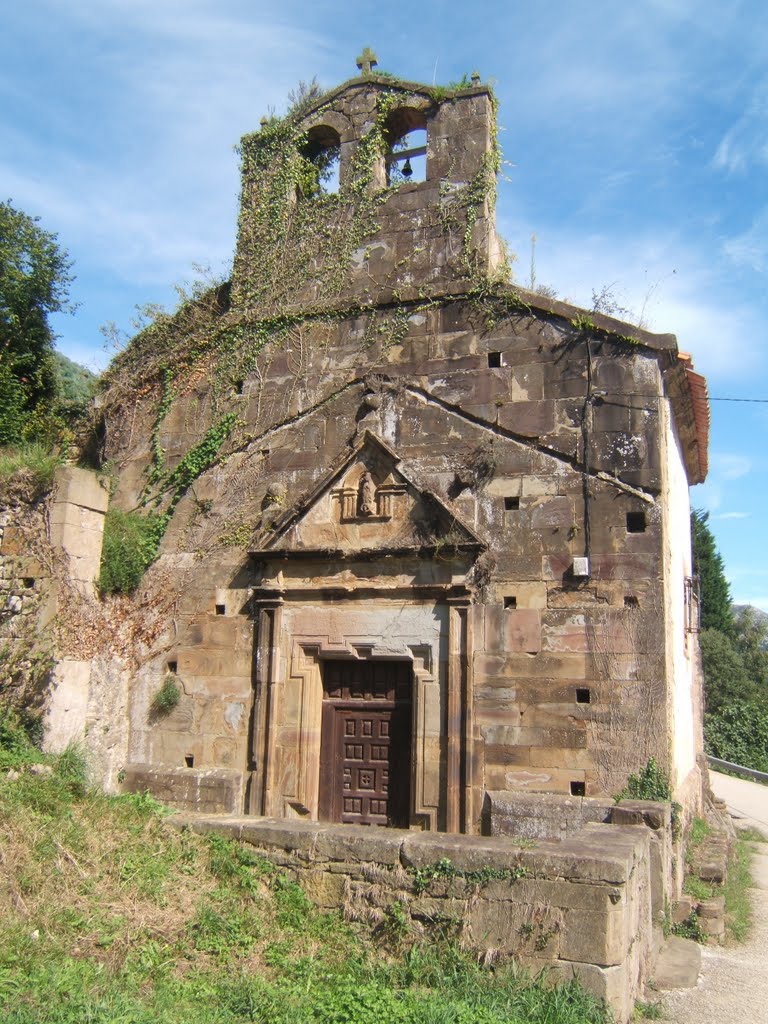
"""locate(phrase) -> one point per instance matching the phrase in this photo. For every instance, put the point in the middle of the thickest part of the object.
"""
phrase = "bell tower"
(380, 190)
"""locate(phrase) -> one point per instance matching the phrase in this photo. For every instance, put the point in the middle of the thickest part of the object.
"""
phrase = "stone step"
(678, 964)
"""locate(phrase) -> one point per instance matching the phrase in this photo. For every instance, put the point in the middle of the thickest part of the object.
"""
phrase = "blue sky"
(636, 141)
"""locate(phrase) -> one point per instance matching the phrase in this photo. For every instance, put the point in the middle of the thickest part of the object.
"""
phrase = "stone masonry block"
(80, 487)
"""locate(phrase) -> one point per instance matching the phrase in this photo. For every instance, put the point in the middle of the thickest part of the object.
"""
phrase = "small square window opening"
(578, 788)
(635, 522)
(173, 666)
(583, 696)
(510, 601)
(189, 760)
(494, 359)
(221, 609)
(630, 601)
(511, 504)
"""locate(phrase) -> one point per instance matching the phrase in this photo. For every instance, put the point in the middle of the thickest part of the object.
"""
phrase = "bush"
(16, 746)
(167, 697)
(739, 733)
(652, 783)
(131, 540)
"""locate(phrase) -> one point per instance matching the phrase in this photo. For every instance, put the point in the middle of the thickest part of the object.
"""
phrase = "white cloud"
(730, 465)
(732, 515)
(751, 247)
(662, 279)
(745, 144)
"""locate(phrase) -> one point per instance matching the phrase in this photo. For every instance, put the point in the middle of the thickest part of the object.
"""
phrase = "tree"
(725, 677)
(716, 608)
(751, 638)
(34, 282)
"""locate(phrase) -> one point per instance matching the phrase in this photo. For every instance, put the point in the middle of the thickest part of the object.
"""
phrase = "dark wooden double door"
(365, 757)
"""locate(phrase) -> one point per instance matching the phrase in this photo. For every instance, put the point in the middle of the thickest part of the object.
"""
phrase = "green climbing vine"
(195, 462)
(158, 455)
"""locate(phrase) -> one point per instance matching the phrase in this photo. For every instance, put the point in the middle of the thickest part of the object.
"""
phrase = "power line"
(761, 400)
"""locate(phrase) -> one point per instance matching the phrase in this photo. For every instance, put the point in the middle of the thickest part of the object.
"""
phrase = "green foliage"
(698, 832)
(690, 928)
(75, 385)
(738, 901)
(445, 870)
(647, 1011)
(16, 745)
(716, 608)
(131, 542)
(751, 641)
(735, 662)
(13, 404)
(34, 282)
(698, 889)
(738, 732)
(584, 322)
(725, 676)
(28, 466)
(197, 460)
(167, 697)
(71, 767)
(651, 783)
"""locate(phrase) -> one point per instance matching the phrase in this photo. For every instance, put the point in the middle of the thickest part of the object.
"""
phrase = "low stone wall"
(579, 907)
(203, 790)
(552, 816)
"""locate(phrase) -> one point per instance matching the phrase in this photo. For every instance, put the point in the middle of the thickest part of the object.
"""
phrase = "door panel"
(365, 741)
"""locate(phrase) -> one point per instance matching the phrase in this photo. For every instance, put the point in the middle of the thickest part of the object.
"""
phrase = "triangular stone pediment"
(368, 506)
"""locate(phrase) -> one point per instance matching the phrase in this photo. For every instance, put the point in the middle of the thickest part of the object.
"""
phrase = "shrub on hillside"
(131, 540)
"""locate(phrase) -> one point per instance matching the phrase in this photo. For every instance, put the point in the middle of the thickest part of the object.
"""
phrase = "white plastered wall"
(681, 645)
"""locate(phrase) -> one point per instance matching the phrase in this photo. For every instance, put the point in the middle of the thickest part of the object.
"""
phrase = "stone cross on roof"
(367, 61)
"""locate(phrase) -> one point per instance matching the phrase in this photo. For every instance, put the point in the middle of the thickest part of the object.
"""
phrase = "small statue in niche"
(367, 495)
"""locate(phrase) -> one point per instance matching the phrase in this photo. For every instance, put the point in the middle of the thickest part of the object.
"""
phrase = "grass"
(648, 1011)
(131, 540)
(27, 469)
(111, 916)
(738, 903)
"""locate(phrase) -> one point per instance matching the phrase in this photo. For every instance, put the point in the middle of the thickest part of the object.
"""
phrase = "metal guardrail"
(737, 769)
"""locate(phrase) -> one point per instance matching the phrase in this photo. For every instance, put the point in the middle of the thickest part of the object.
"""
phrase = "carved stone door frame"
(287, 710)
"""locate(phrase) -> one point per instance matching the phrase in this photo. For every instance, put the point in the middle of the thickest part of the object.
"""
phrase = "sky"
(635, 140)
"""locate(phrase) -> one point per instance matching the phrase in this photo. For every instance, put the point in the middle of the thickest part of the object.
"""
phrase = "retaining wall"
(581, 907)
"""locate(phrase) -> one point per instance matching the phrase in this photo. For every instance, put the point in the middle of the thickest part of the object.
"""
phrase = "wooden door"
(365, 761)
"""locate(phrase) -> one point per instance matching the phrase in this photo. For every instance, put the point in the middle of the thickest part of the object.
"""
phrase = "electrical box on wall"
(581, 567)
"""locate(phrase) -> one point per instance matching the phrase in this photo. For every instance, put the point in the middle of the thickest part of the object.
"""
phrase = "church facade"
(427, 534)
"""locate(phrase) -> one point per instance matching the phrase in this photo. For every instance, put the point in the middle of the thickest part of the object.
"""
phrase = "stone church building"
(426, 542)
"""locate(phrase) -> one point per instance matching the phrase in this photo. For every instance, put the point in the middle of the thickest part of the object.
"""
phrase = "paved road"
(747, 801)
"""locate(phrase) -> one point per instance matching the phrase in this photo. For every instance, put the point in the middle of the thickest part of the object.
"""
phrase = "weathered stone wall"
(581, 907)
(206, 791)
(25, 568)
